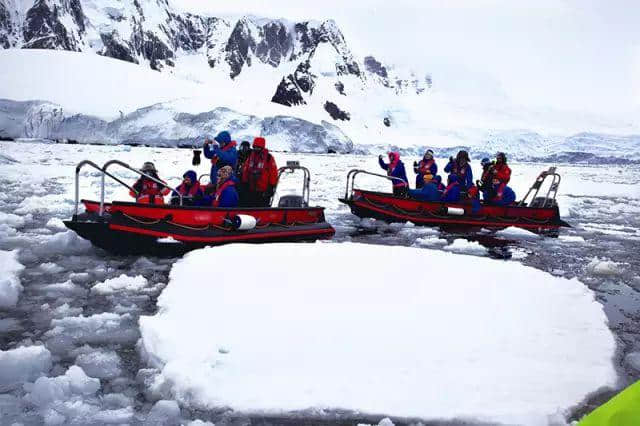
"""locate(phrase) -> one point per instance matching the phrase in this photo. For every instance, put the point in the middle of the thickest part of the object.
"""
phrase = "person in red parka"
(501, 173)
(259, 175)
(149, 191)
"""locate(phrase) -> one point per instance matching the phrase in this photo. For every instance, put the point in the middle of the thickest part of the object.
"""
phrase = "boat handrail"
(203, 175)
(102, 172)
(351, 177)
(291, 167)
(551, 193)
(128, 167)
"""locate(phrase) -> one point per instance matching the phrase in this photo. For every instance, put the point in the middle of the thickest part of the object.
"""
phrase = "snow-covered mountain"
(154, 33)
(110, 60)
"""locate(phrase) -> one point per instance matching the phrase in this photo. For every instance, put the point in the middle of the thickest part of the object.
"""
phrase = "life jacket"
(425, 166)
(191, 192)
(260, 171)
(225, 148)
(149, 191)
(218, 194)
(502, 173)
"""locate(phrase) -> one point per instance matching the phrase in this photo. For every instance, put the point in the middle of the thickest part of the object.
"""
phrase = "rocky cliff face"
(152, 33)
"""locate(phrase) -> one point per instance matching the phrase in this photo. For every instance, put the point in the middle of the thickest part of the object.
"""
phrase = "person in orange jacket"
(149, 191)
(259, 175)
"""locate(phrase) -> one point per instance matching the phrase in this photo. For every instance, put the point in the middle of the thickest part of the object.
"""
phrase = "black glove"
(451, 159)
(196, 157)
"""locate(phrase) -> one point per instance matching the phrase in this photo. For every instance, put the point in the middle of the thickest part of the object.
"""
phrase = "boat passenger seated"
(226, 194)
(462, 169)
(428, 192)
(426, 165)
(190, 189)
(148, 190)
(451, 193)
(504, 195)
(437, 179)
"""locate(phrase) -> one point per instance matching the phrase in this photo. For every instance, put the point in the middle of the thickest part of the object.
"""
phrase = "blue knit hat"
(223, 137)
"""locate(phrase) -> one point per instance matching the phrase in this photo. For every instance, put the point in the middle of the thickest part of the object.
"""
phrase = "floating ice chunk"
(199, 422)
(571, 239)
(430, 242)
(519, 233)
(100, 364)
(463, 246)
(64, 288)
(11, 220)
(79, 277)
(50, 268)
(384, 422)
(118, 416)
(56, 224)
(604, 267)
(164, 413)
(65, 310)
(315, 335)
(69, 397)
(633, 360)
(123, 283)
(169, 240)
(62, 243)
(49, 203)
(10, 287)
(23, 364)
(96, 329)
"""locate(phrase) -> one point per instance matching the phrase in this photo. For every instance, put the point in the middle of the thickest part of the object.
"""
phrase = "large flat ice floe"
(386, 330)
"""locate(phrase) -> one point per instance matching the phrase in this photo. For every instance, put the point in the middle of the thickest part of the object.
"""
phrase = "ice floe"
(10, 287)
(480, 338)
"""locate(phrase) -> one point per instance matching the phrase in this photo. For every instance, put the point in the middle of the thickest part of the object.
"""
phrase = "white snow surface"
(377, 339)
(10, 287)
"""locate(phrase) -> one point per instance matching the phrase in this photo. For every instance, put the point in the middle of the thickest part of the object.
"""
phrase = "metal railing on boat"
(351, 177)
(103, 172)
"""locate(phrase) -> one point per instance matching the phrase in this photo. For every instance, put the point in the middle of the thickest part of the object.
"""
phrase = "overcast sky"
(569, 54)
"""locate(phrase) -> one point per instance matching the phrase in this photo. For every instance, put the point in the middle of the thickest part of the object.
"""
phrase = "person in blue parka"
(462, 169)
(428, 191)
(222, 153)
(451, 193)
(504, 195)
(226, 194)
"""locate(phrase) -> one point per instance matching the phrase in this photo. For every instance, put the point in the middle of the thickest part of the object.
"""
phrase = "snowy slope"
(273, 67)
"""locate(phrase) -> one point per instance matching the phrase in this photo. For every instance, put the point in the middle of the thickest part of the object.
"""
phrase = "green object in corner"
(621, 410)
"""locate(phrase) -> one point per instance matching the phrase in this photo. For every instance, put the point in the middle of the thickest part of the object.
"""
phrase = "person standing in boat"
(461, 168)
(189, 189)
(395, 169)
(426, 166)
(259, 175)
(451, 193)
(485, 184)
(226, 195)
(428, 191)
(243, 155)
(222, 152)
(148, 190)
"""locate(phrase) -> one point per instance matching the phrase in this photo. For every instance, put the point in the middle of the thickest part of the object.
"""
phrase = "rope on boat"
(153, 222)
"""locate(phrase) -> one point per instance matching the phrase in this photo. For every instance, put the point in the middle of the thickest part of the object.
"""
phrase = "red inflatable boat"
(539, 215)
(134, 228)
